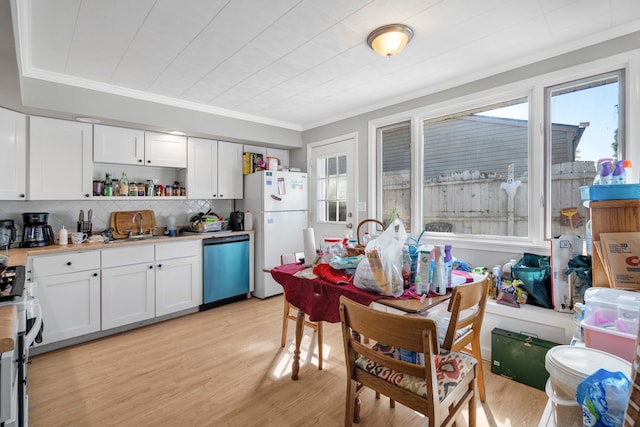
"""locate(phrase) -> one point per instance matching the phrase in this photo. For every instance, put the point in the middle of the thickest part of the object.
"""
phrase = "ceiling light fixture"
(390, 39)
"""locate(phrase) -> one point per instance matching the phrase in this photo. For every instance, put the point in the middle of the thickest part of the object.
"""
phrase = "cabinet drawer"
(183, 249)
(134, 254)
(66, 263)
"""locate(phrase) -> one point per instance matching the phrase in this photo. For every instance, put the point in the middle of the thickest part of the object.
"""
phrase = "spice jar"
(168, 190)
(133, 189)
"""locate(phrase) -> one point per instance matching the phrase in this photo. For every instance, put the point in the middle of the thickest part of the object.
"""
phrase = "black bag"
(535, 273)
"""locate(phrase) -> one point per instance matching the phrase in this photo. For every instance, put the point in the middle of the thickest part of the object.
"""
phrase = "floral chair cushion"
(452, 368)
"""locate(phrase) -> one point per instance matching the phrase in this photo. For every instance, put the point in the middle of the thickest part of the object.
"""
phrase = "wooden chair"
(439, 389)
(467, 306)
(289, 258)
(632, 414)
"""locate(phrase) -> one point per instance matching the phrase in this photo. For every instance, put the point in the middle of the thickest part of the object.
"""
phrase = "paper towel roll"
(309, 246)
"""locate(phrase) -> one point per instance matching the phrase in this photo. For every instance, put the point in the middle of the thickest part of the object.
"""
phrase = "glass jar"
(332, 248)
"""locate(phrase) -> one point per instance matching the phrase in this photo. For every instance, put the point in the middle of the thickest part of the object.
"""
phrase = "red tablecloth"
(318, 298)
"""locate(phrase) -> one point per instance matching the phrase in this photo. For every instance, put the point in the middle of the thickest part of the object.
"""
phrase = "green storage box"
(520, 357)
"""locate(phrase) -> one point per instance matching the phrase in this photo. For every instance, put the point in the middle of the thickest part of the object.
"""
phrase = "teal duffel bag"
(535, 273)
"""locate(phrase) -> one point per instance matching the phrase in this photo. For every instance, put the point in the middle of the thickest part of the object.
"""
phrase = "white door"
(332, 183)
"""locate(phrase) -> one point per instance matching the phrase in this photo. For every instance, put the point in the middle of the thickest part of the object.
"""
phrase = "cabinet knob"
(150, 267)
(148, 161)
(159, 265)
(221, 195)
(68, 262)
(87, 195)
(22, 196)
(95, 274)
(139, 160)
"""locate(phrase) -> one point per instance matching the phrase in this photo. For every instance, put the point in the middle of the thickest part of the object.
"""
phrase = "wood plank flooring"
(225, 367)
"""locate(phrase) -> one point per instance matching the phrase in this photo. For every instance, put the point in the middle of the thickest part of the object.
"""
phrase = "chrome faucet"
(133, 221)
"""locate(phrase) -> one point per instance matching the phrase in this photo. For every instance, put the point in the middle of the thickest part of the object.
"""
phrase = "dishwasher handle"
(225, 239)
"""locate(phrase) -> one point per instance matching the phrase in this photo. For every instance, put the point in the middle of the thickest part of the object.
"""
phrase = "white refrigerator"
(279, 204)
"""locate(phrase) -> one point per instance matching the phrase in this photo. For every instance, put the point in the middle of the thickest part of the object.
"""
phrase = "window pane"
(331, 189)
(394, 143)
(585, 118)
(475, 171)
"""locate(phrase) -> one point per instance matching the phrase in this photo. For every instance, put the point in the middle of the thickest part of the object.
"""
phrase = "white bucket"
(568, 366)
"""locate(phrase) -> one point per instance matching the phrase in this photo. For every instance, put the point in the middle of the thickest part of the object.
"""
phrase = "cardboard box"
(520, 357)
(621, 258)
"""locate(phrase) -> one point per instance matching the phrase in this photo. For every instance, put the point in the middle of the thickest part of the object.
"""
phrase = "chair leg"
(350, 403)
(477, 354)
(472, 406)
(320, 345)
(285, 323)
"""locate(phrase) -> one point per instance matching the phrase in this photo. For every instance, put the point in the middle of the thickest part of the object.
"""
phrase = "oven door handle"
(33, 332)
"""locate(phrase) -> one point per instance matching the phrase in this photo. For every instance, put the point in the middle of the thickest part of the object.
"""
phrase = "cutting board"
(121, 221)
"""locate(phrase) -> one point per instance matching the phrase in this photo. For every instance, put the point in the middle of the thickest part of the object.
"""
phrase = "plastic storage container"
(610, 192)
(611, 321)
(568, 366)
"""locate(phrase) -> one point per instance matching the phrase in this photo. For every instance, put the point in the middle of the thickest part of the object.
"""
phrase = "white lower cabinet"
(86, 292)
(69, 293)
(128, 290)
(178, 276)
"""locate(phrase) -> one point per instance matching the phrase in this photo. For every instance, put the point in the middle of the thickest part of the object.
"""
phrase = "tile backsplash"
(65, 212)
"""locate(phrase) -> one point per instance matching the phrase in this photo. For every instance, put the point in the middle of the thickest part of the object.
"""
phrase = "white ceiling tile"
(306, 61)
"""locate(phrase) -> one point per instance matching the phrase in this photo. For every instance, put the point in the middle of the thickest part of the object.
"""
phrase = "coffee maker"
(7, 233)
(36, 231)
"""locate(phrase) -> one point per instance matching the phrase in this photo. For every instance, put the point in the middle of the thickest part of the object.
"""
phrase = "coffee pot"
(236, 221)
(7, 233)
(36, 232)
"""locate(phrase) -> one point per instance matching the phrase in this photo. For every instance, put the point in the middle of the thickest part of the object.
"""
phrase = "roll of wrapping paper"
(309, 240)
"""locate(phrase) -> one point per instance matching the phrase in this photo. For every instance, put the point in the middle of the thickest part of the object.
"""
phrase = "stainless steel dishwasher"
(225, 270)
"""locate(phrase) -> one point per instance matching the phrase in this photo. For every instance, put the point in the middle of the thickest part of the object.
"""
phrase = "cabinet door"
(60, 165)
(128, 295)
(161, 149)
(178, 284)
(230, 180)
(118, 145)
(70, 305)
(13, 161)
(202, 180)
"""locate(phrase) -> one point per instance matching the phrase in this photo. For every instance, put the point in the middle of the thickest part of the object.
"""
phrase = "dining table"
(320, 300)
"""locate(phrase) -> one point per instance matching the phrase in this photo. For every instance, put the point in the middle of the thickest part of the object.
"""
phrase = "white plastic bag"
(381, 269)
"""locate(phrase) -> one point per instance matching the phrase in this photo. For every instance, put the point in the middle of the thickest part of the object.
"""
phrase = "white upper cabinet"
(13, 161)
(214, 169)
(118, 145)
(161, 149)
(136, 147)
(60, 165)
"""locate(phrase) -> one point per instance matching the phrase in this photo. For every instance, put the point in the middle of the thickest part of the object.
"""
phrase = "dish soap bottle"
(448, 266)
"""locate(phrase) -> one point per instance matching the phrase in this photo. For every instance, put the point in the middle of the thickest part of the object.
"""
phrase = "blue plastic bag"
(603, 397)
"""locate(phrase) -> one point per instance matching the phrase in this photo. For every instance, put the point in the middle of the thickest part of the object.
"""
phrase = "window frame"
(534, 90)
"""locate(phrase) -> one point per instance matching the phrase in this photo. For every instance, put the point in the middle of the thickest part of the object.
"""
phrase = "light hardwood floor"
(225, 367)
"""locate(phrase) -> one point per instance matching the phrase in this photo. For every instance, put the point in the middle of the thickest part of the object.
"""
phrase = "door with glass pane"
(332, 187)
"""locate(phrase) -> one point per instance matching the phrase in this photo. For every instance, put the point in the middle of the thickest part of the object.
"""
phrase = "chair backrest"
(439, 226)
(405, 332)
(291, 257)
(467, 306)
(632, 414)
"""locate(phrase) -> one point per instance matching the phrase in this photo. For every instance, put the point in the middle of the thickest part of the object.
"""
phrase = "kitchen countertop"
(7, 327)
(18, 256)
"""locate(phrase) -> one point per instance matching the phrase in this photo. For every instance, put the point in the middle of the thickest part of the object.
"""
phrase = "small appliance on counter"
(7, 233)
(36, 231)
(236, 221)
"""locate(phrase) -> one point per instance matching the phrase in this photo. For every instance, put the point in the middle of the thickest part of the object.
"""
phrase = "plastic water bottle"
(588, 238)
(366, 238)
(506, 269)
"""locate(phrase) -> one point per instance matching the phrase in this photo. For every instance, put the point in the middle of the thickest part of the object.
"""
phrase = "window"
(475, 171)
(584, 124)
(331, 185)
(395, 144)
